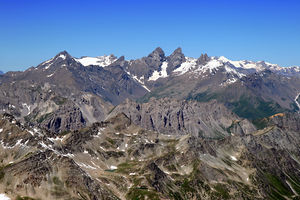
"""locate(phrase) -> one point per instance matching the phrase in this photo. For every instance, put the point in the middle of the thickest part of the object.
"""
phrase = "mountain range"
(158, 127)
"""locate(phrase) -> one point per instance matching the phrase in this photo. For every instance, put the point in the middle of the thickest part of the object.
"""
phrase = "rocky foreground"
(117, 159)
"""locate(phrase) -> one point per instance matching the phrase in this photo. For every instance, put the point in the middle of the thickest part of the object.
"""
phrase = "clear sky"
(32, 31)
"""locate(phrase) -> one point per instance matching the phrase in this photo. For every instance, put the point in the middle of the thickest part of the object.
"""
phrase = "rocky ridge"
(116, 159)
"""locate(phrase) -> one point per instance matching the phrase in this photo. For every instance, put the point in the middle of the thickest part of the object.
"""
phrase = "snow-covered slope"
(191, 66)
(100, 60)
(188, 65)
(251, 66)
(160, 74)
(240, 68)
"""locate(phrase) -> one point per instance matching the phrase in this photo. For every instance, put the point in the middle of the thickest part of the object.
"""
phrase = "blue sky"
(32, 31)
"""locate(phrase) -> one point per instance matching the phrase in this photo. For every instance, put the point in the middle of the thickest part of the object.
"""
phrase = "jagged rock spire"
(157, 54)
(203, 59)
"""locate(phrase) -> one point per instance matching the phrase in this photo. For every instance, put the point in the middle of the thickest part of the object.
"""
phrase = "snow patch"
(113, 167)
(4, 197)
(31, 132)
(297, 103)
(233, 158)
(162, 74)
(141, 81)
(228, 82)
(102, 61)
(57, 139)
(26, 106)
(189, 64)
(62, 56)
(11, 147)
(86, 166)
(212, 65)
(50, 75)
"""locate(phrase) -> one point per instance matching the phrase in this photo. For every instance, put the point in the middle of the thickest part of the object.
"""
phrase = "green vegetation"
(56, 181)
(278, 190)
(158, 93)
(141, 194)
(221, 191)
(187, 187)
(111, 110)
(24, 198)
(246, 107)
(295, 183)
(2, 173)
(111, 141)
(255, 108)
(203, 97)
(127, 167)
(58, 189)
(59, 100)
(260, 123)
(43, 117)
(120, 127)
(63, 133)
(28, 154)
(110, 170)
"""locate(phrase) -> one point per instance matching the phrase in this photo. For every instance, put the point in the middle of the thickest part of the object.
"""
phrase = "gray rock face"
(145, 66)
(286, 121)
(89, 162)
(67, 117)
(253, 96)
(203, 59)
(50, 106)
(167, 116)
(175, 60)
(61, 94)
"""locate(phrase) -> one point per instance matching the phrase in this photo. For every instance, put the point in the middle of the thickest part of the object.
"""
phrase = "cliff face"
(117, 159)
(174, 117)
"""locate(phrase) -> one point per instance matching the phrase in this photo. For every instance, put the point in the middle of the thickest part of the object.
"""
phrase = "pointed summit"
(158, 54)
(175, 59)
(119, 62)
(177, 51)
(61, 59)
(203, 59)
(63, 55)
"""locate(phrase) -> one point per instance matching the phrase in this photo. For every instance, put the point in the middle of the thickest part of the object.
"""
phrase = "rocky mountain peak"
(62, 59)
(158, 54)
(177, 51)
(203, 59)
(63, 55)
(119, 62)
(175, 59)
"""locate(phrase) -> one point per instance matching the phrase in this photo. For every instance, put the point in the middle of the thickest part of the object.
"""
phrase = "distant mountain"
(1, 72)
(67, 93)
(158, 127)
(262, 89)
(62, 94)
